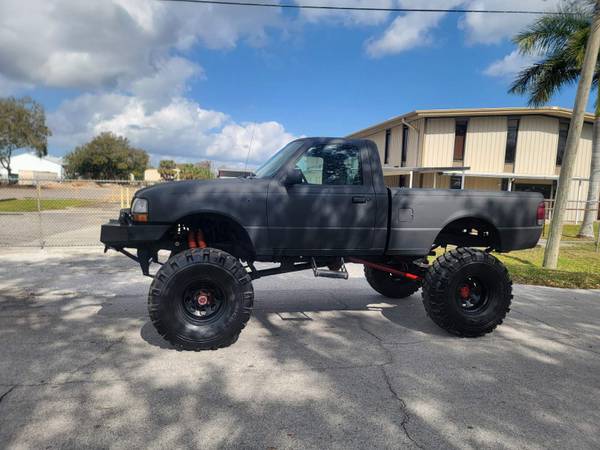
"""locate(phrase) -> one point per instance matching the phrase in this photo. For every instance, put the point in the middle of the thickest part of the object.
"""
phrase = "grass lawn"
(30, 204)
(578, 267)
(569, 231)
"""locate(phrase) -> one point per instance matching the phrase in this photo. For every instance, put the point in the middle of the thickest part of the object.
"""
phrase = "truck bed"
(418, 215)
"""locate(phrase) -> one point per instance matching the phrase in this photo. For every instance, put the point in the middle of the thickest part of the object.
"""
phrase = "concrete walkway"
(322, 364)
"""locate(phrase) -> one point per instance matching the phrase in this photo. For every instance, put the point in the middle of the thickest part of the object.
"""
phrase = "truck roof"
(332, 140)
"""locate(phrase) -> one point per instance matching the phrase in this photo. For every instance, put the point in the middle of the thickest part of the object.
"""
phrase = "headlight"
(139, 210)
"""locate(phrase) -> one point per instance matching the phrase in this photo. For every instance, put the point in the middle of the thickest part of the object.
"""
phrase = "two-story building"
(484, 148)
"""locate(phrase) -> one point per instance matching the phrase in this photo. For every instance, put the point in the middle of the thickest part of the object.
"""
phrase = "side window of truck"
(332, 164)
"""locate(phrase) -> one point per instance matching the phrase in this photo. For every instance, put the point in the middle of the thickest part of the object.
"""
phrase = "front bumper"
(124, 233)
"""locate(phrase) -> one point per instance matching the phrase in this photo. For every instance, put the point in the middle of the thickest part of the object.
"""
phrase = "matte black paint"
(311, 220)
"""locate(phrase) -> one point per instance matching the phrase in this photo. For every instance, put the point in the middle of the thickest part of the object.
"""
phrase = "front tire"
(389, 285)
(201, 299)
(467, 292)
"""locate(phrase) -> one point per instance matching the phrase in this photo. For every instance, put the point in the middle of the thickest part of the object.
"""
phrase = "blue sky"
(194, 82)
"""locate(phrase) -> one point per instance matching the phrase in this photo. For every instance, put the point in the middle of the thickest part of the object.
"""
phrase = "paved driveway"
(322, 364)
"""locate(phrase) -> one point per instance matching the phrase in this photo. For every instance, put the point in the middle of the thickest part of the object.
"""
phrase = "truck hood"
(243, 199)
(195, 188)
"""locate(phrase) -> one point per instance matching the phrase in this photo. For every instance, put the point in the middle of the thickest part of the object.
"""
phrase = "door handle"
(360, 199)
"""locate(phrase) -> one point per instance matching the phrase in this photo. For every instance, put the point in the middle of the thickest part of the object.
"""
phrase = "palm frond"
(543, 79)
(549, 33)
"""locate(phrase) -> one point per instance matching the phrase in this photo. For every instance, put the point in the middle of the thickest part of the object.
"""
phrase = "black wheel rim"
(472, 294)
(203, 302)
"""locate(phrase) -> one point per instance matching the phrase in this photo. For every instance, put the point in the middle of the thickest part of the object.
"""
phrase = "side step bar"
(324, 273)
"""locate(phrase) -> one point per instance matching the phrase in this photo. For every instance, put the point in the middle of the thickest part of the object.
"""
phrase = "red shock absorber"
(196, 240)
(191, 240)
(200, 239)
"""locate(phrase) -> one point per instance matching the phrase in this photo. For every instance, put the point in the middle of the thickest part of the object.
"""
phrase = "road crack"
(406, 415)
(97, 357)
(12, 388)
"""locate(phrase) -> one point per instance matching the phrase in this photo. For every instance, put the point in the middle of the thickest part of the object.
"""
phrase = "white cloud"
(154, 115)
(123, 55)
(259, 139)
(493, 28)
(510, 65)
(107, 43)
(169, 80)
(180, 128)
(350, 18)
(409, 30)
(414, 29)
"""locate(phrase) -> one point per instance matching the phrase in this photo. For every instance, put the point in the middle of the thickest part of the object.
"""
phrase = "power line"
(366, 8)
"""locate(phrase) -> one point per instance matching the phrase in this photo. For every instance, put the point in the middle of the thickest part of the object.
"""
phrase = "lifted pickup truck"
(316, 204)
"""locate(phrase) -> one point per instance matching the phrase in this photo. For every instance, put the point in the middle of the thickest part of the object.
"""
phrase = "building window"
(511, 140)
(504, 184)
(563, 131)
(544, 189)
(460, 135)
(404, 144)
(455, 182)
(386, 153)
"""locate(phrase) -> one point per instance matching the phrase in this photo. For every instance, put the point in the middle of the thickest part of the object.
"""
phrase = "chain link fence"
(39, 213)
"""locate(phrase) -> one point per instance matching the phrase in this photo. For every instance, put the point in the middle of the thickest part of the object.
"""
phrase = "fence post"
(38, 190)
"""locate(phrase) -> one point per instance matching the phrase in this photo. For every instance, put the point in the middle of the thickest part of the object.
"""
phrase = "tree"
(560, 42)
(22, 125)
(166, 169)
(195, 172)
(106, 157)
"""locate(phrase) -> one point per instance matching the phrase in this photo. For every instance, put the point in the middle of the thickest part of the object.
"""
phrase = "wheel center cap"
(203, 299)
(464, 291)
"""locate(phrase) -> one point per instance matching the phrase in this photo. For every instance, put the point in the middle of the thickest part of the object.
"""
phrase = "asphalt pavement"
(322, 364)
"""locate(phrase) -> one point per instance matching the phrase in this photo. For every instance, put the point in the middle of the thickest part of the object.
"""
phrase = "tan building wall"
(29, 177)
(431, 144)
(151, 175)
(438, 146)
(416, 135)
(537, 142)
(395, 156)
(486, 144)
(584, 153)
(379, 139)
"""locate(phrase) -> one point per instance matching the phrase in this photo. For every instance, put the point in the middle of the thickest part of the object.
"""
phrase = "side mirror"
(294, 176)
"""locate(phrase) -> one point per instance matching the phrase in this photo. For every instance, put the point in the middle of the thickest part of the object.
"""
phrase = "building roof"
(31, 156)
(54, 159)
(554, 111)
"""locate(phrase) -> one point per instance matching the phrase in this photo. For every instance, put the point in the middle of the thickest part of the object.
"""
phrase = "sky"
(191, 82)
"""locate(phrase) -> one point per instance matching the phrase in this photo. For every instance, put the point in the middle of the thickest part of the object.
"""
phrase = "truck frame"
(315, 205)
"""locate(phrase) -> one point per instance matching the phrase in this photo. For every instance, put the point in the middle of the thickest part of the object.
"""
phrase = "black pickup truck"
(315, 205)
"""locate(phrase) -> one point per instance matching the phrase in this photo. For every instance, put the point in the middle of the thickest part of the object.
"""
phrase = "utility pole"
(567, 167)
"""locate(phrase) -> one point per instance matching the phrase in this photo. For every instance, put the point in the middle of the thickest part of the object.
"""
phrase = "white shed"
(30, 166)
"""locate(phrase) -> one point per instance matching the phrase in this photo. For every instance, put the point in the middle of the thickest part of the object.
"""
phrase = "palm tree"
(559, 41)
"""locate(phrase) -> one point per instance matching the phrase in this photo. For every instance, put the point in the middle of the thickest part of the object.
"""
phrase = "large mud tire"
(201, 299)
(389, 285)
(467, 292)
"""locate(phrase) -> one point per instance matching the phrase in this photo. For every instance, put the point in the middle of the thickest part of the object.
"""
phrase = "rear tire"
(201, 299)
(467, 292)
(389, 285)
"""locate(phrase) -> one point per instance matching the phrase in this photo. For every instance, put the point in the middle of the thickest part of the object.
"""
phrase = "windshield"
(268, 169)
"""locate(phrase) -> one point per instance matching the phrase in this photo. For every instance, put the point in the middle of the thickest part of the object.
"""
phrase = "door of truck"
(334, 206)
